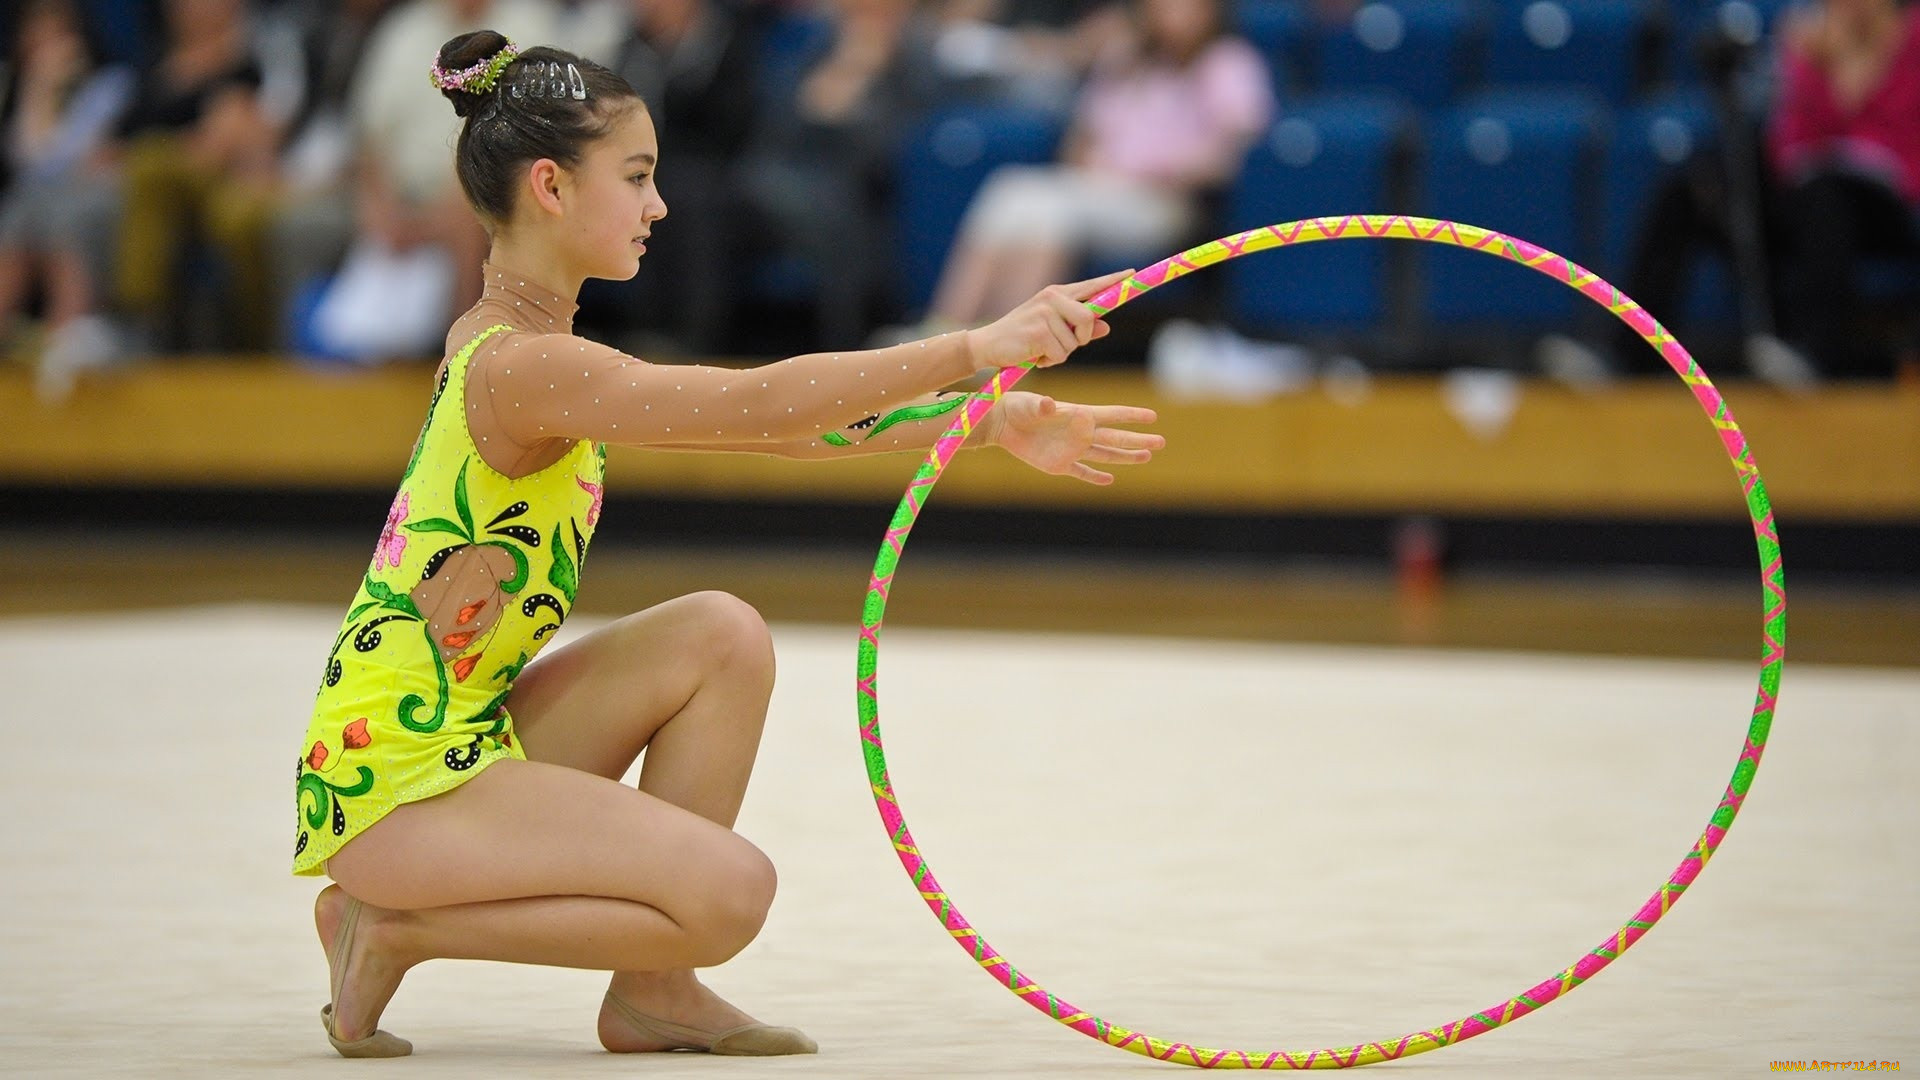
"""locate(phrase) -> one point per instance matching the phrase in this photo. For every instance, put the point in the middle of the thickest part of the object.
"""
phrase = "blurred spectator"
(417, 249)
(695, 64)
(1031, 52)
(198, 163)
(312, 220)
(818, 178)
(62, 107)
(125, 31)
(122, 33)
(1720, 202)
(1164, 120)
(1845, 144)
(593, 28)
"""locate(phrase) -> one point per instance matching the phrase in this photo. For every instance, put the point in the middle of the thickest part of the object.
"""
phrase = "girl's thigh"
(594, 704)
(524, 828)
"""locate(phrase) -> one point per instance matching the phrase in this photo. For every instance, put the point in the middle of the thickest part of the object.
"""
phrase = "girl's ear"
(544, 180)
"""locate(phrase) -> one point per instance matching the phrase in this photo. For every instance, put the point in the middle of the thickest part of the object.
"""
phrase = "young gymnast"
(466, 800)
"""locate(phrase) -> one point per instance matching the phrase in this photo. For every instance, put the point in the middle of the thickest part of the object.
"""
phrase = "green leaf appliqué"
(563, 575)
(460, 498)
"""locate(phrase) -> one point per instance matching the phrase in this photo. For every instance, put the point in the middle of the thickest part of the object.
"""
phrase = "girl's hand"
(1061, 438)
(1044, 329)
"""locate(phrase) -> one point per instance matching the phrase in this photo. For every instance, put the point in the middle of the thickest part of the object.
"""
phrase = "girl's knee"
(737, 905)
(755, 882)
(730, 630)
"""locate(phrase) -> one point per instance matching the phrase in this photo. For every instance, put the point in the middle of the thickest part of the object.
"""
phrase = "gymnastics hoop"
(1358, 226)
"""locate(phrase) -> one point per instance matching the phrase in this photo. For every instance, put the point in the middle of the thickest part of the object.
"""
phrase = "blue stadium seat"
(125, 31)
(1589, 43)
(1649, 142)
(1417, 48)
(1283, 32)
(1752, 22)
(1519, 162)
(788, 43)
(1329, 155)
(942, 164)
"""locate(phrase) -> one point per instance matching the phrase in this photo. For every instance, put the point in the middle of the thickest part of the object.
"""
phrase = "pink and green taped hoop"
(1774, 639)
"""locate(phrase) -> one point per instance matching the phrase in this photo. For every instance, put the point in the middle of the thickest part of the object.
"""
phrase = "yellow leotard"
(472, 574)
(475, 570)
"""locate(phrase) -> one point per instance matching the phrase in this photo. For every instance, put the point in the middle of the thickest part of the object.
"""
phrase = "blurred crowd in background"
(275, 176)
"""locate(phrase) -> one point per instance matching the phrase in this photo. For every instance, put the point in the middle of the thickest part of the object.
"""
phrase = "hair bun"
(468, 69)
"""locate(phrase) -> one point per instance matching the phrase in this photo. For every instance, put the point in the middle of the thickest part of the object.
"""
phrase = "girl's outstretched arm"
(913, 425)
(1058, 437)
(541, 387)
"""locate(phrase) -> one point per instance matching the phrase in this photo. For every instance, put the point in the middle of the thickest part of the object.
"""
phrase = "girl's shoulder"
(551, 345)
(528, 358)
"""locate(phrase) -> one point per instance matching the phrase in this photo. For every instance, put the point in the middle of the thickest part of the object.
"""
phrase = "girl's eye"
(642, 178)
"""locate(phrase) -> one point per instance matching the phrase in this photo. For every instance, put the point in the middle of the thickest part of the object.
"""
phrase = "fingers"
(1113, 455)
(1057, 321)
(1038, 341)
(1122, 414)
(1090, 288)
(1129, 440)
(1074, 313)
(1051, 343)
(1066, 324)
(1065, 338)
(1083, 471)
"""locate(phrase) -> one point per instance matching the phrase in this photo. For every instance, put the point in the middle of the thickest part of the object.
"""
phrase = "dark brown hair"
(548, 103)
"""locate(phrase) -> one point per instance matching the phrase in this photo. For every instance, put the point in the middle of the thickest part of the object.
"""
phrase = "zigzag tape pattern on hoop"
(1356, 226)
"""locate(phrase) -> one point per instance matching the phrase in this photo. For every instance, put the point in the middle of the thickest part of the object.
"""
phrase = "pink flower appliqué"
(599, 493)
(393, 542)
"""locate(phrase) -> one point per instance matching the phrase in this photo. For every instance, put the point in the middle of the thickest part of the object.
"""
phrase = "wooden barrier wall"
(1848, 453)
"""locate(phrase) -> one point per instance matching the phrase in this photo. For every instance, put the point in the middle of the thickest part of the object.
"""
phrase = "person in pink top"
(1844, 144)
(1169, 114)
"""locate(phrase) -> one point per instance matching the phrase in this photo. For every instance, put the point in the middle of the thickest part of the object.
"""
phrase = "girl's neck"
(544, 267)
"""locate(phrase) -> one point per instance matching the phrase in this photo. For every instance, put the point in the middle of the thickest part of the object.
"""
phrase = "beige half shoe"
(747, 1040)
(380, 1043)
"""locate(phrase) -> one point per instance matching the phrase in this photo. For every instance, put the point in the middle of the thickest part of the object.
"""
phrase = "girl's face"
(614, 202)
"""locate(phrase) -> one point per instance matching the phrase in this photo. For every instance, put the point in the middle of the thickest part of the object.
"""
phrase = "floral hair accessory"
(479, 78)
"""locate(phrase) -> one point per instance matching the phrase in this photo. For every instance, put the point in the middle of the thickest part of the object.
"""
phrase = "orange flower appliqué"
(317, 757)
(354, 735)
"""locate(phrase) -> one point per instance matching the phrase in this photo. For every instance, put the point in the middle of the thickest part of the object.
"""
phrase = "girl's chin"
(621, 269)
